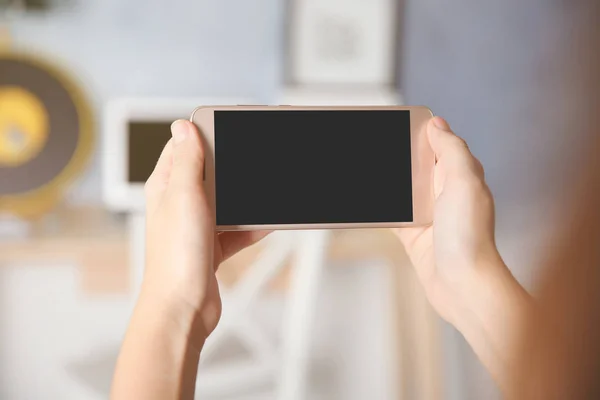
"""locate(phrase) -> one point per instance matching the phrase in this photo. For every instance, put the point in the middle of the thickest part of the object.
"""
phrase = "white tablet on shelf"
(134, 133)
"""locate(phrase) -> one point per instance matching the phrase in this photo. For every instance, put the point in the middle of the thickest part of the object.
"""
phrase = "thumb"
(188, 156)
(450, 150)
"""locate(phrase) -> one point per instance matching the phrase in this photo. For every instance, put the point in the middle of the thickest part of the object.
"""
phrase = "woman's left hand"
(183, 250)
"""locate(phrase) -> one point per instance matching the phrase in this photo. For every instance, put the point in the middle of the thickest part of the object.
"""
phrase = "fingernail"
(179, 130)
(441, 123)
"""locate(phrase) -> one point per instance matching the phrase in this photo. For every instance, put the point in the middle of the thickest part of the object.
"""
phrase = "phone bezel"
(423, 163)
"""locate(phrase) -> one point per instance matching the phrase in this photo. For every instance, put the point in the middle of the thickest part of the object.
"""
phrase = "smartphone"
(285, 167)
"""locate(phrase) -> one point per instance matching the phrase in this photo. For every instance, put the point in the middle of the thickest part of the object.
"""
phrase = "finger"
(159, 179)
(188, 156)
(233, 242)
(449, 149)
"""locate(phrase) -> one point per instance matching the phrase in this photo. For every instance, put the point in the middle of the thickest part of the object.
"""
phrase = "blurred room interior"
(88, 89)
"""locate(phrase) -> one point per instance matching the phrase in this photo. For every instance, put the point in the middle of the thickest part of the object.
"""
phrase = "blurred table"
(91, 238)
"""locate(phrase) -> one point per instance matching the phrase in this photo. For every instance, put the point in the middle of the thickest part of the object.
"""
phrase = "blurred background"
(88, 89)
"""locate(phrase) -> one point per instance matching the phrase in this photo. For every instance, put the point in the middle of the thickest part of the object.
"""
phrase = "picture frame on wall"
(342, 42)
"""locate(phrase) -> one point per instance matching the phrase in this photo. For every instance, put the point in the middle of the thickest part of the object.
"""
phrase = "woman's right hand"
(457, 261)
(460, 243)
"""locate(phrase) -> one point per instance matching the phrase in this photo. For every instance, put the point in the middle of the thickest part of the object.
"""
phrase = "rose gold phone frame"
(423, 162)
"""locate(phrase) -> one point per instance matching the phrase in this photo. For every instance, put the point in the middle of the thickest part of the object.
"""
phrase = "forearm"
(160, 354)
(493, 310)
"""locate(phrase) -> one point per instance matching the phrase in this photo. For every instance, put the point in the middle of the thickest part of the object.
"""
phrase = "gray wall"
(505, 74)
(496, 69)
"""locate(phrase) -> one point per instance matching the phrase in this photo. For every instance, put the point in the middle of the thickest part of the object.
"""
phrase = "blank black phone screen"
(312, 167)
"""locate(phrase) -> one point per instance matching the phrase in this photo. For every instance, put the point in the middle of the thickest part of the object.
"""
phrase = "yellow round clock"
(46, 135)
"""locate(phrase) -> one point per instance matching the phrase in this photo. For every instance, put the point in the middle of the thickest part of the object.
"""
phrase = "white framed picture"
(134, 132)
(342, 42)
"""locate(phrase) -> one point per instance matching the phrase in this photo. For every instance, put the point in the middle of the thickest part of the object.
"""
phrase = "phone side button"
(252, 105)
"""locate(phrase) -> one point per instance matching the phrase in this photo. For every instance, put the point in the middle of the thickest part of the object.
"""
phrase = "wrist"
(492, 310)
(489, 287)
(478, 290)
(164, 330)
(172, 311)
